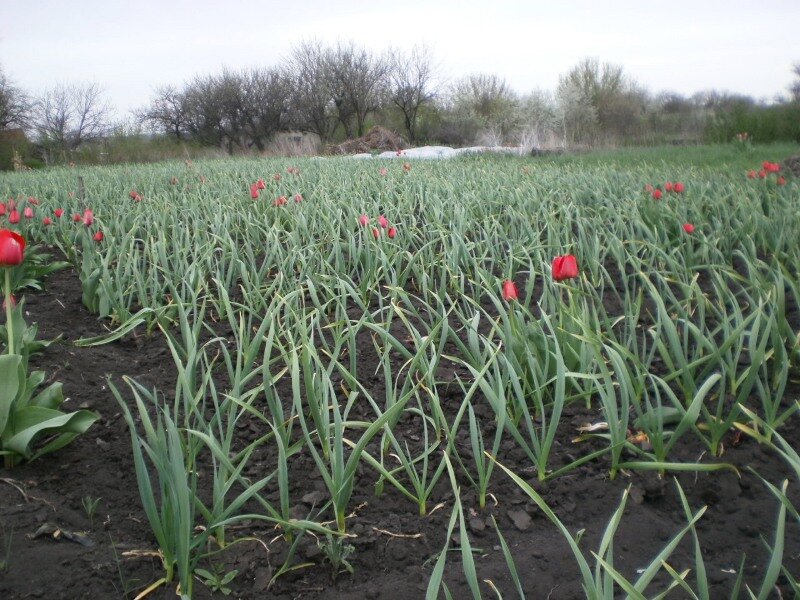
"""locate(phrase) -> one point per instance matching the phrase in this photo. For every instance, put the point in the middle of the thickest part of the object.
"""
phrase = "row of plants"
(526, 289)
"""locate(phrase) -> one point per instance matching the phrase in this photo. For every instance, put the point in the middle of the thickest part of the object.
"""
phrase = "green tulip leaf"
(9, 385)
(51, 397)
(33, 421)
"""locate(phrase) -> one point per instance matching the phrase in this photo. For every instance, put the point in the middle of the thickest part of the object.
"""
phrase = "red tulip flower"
(88, 217)
(781, 180)
(47, 221)
(565, 267)
(32, 200)
(678, 187)
(98, 237)
(279, 201)
(298, 198)
(58, 212)
(363, 220)
(383, 222)
(13, 218)
(762, 174)
(76, 218)
(688, 228)
(668, 186)
(376, 233)
(254, 191)
(12, 248)
(133, 194)
(28, 212)
(657, 194)
(751, 174)
(392, 232)
(510, 290)
(260, 184)
(2, 209)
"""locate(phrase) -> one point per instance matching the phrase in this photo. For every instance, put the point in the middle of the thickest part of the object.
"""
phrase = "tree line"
(337, 91)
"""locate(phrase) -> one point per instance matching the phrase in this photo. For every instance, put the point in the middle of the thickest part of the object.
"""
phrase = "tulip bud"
(565, 267)
(510, 290)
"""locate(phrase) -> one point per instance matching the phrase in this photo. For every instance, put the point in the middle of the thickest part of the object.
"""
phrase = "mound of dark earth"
(377, 138)
(792, 164)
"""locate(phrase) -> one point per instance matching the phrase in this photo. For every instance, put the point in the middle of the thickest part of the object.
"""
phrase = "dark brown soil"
(395, 547)
(792, 164)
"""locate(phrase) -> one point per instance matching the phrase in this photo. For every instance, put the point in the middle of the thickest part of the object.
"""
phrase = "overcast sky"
(134, 46)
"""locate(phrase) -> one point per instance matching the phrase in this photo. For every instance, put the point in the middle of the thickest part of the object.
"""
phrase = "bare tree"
(794, 87)
(483, 106)
(357, 80)
(204, 119)
(67, 116)
(227, 93)
(334, 86)
(617, 103)
(237, 110)
(489, 97)
(265, 104)
(410, 80)
(234, 110)
(166, 112)
(311, 104)
(673, 116)
(15, 104)
(578, 114)
(539, 119)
